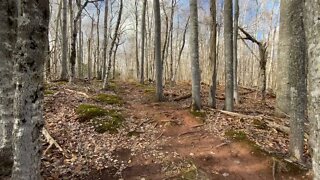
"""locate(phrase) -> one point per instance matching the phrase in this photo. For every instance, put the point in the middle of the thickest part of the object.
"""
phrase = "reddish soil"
(189, 151)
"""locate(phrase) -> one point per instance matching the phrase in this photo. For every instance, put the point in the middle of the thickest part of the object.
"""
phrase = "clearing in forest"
(124, 133)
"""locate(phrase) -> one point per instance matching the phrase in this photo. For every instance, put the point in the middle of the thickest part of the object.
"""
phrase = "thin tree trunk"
(32, 39)
(105, 38)
(143, 31)
(228, 55)
(80, 50)
(213, 54)
(137, 43)
(194, 47)
(64, 66)
(157, 49)
(106, 78)
(235, 51)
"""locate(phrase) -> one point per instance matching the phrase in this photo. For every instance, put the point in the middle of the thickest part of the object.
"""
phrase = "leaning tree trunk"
(114, 39)
(32, 39)
(213, 54)
(194, 47)
(7, 44)
(157, 49)
(143, 30)
(228, 55)
(312, 30)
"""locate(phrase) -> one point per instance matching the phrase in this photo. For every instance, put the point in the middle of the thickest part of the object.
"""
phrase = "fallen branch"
(78, 92)
(182, 97)
(51, 141)
(268, 119)
(188, 132)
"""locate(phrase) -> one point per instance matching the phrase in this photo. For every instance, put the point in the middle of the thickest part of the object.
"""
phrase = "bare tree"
(194, 46)
(235, 51)
(105, 37)
(157, 49)
(143, 29)
(228, 55)
(31, 48)
(213, 54)
(114, 39)
(64, 70)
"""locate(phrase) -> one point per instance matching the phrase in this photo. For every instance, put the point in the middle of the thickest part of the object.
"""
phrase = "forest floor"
(124, 134)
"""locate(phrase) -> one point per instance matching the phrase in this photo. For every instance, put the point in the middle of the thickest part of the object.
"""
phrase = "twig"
(159, 135)
(51, 141)
(188, 132)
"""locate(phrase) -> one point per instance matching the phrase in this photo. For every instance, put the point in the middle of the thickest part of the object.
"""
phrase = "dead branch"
(51, 141)
(182, 97)
(78, 92)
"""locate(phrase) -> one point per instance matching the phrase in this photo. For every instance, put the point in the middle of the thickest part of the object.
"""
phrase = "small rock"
(191, 154)
(225, 174)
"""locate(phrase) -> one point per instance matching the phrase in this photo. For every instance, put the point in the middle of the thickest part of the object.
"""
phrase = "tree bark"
(235, 51)
(137, 43)
(105, 37)
(283, 95)
(8, 13)
(194, 47)
(143, 30)
(32, 39)
(228, 55)
(213, 54)
(64, 66)
(157, 49)
(312, 29)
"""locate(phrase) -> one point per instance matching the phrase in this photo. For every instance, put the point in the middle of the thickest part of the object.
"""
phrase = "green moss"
(111, 123)
(150, 90)
(189, 173)
(48, 92)
(200, 114)
(88, 111)
(259, 124)
(236, 135)
(108, 99)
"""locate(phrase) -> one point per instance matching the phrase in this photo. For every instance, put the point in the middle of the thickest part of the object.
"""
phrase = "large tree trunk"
(64, 66)
(235, 51)
(80, 44)
(313, 33)
(282, 90)
(8, 13)
(114, 39)
(228, 55)
(143, 30)
(157, 49)
(105, 38)
(32, 39)
(213, 54)
(194, 48)
(297, 79)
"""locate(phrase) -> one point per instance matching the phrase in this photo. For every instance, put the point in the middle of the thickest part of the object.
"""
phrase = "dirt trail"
(189, 152)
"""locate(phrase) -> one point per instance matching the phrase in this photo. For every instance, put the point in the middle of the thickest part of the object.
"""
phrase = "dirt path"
(187, 150)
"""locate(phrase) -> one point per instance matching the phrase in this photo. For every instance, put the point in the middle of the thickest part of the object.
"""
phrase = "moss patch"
(88, 111)
(108, 99)
(48, 92)
(200, 114)
(111, 123)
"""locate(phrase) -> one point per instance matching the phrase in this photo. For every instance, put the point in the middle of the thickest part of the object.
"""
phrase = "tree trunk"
(157, 49)
(228, 55)
(80, 50)
(283, 95)
(8, 13)
(64, 66)
(114, 39)
(297, 79)
(137, 43)
(32, 39)
(143, 30)
(235, 51)
(312, 30)
(105, 37)
(213, 54)
(98, 74)
(194, 48)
